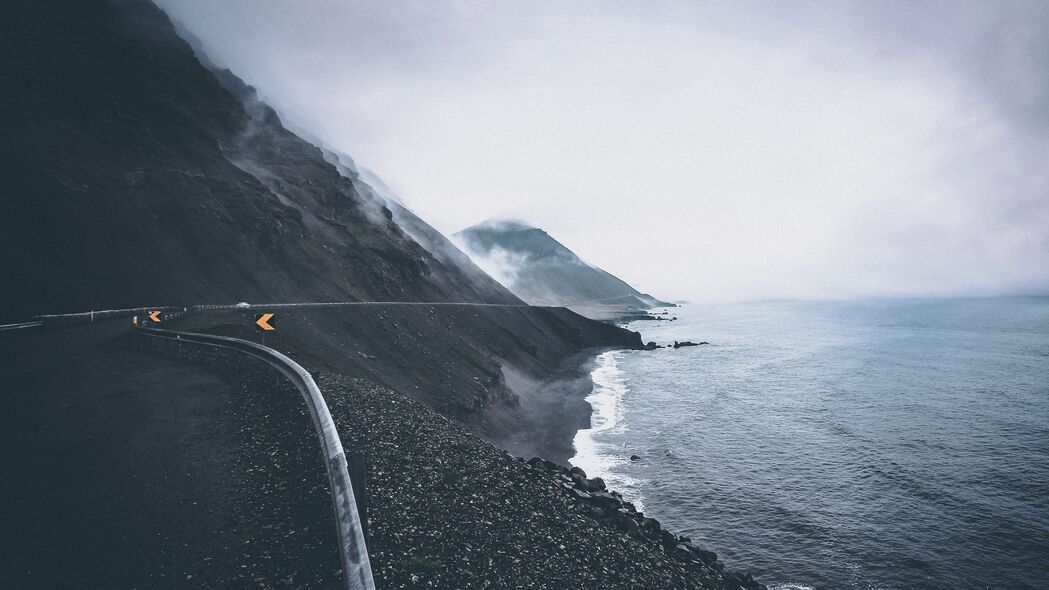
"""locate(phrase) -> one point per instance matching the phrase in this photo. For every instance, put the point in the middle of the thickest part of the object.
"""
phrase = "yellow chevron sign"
(263, 322)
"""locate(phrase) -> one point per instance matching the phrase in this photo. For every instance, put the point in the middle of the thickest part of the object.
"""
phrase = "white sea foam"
(597, 457)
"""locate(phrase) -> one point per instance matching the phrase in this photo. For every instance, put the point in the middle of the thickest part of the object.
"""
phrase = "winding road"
(119, 458)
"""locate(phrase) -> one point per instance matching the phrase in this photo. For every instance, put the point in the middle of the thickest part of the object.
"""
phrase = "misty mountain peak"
(543, 271)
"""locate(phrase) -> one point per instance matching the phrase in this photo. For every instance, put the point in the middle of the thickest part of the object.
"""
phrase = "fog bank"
(714, 151)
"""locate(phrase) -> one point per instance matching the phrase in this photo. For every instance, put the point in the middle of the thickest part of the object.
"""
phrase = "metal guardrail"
(356, 567)
(21, 326)
(105, 314)
(360, 303)
(171, 312)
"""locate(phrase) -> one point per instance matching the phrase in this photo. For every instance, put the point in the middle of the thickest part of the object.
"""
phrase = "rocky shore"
(448, 510)
(445, 508)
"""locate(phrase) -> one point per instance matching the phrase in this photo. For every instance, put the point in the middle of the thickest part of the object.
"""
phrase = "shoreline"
(448, 509)
(606, 401)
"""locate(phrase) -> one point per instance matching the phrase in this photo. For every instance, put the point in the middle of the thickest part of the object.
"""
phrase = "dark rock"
(598, 512)
(741, 581)
(627, 524)
(577, 471)
(685, 343)
(705, 556)
(635, 458)
(650, 524)
(606, 501)
(683, 550)
(579, 481)
(580, 494)
(594, 485)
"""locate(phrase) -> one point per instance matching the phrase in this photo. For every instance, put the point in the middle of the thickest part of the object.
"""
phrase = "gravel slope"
(448, 510)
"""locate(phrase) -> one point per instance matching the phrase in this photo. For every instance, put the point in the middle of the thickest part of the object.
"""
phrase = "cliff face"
(134, 176)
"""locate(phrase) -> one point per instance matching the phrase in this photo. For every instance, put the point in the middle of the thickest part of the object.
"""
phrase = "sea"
(883, 444)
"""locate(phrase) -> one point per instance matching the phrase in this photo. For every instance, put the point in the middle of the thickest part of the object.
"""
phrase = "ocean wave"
(592, 454)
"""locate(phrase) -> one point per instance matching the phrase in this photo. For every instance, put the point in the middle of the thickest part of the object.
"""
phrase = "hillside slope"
(464, 273)
(139, 178)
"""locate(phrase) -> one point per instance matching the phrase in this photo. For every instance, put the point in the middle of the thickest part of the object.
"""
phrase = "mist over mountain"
(542, 271)
(143, 178)
(814, 150)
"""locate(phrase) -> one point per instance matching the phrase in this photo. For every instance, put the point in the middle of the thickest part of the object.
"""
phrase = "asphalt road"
(128, 467)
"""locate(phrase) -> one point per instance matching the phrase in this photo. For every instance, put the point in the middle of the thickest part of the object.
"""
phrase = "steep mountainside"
(142, 178)
(464, 272)
(542, 271)
(134, 175)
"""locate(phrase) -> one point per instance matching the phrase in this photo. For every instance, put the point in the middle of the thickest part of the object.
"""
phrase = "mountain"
(542, 271)
(137, 174)
(142, 177)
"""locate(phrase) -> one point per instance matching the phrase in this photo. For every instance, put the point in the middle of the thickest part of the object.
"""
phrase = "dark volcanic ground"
(128, 466)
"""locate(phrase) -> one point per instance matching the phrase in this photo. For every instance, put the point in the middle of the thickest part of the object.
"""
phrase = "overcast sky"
(699, 150)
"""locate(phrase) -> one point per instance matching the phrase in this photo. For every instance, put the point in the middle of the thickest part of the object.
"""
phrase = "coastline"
(606, 400)
(447, 509)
